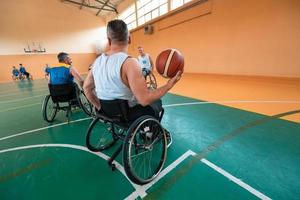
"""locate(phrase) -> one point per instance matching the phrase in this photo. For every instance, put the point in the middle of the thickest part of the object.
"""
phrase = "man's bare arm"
(137, 84)
(76, 75)
(151, 63)
(89, 87)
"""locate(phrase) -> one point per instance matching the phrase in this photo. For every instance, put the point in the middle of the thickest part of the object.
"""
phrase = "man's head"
(141, 50)
(117, 32)
(14, 67)
(64, 58)
(20, 65)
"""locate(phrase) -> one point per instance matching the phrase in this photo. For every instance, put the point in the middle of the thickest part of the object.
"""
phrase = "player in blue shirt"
(15, 73)
(64, 72)
(24, 72)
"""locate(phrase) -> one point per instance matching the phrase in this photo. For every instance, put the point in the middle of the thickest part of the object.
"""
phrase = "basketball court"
(235, 125)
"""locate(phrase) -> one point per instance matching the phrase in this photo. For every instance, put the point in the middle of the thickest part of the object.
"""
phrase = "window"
(177, 3)
(128, 16)
(150, 9)
(143, 11)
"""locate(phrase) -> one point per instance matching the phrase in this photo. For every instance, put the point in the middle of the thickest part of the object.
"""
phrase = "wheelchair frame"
(150, 81)
(80, 100)
(142, 137)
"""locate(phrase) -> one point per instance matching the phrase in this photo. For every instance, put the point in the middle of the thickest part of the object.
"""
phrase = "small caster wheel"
(113, 167)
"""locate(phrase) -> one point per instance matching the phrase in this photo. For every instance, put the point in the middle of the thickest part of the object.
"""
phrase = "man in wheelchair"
(145, 62)
(117, 76)
(127, 109)
(63, 89)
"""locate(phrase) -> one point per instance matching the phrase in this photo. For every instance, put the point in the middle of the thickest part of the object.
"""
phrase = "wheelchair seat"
(63, 92)
(69, 95)
(114, 111)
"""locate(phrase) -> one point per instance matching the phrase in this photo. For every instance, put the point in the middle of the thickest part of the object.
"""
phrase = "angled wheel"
(49, 109)
(151, 81)
(99, 135)
(84, 103)
(145, 150)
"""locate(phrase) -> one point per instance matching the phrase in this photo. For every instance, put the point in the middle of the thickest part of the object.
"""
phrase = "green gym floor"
(218, 152)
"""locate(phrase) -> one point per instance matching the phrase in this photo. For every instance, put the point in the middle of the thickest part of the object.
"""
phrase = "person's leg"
(153, 110)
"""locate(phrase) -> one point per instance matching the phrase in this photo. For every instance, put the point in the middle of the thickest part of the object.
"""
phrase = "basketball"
(169, 62)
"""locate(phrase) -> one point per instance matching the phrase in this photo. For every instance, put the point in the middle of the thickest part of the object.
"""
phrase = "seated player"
(24, 72)
(145, 61)
(117, 76)
(64, 72)
(15, 73)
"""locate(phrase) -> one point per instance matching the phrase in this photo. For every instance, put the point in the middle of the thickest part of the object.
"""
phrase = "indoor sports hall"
(229, 129)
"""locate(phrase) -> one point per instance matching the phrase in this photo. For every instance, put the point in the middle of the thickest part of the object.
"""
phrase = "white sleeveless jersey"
(107, 78)
(144, 61)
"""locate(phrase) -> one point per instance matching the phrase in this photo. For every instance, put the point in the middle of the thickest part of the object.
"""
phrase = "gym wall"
(249, 37)
(56, 26)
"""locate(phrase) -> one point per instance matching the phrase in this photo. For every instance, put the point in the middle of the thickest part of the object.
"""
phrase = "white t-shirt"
(107, 77)
(144, 61)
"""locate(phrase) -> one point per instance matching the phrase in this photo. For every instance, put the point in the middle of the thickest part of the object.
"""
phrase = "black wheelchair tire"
(45, 109)
(88, 142)
(131, 133)
(87, 106)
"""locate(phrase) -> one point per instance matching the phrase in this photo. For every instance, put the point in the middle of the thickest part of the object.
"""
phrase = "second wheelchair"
(64, 97)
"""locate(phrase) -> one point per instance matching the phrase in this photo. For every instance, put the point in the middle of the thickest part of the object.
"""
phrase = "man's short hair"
(62, 56)
(117, 31)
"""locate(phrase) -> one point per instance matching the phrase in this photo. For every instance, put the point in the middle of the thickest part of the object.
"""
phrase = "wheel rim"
(85, 104)
(100, 136)
(51, 109)
(147, 150)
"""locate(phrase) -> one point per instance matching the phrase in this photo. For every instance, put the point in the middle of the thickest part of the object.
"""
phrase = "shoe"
(169, 138)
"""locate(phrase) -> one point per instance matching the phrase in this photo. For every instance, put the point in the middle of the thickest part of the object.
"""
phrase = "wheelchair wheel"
(49, 109)
(145, 150)
(100, 135)
(151, 82)
(84, 103)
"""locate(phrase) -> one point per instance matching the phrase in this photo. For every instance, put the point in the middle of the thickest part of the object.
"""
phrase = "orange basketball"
(169, 62)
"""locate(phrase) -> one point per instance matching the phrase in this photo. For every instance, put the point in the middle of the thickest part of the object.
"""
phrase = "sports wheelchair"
(64, 97)
(143, 141)
(150, 79)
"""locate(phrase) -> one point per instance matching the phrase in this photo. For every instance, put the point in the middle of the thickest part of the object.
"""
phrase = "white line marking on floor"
(229, 101)
(16, 100)
(43, 128)
(22, 92)
(142, 191)
(236, 180)
(19, 107)
(77, 147)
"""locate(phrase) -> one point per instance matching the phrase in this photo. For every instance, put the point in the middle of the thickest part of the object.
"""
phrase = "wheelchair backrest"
(62, 92)
(117, 109)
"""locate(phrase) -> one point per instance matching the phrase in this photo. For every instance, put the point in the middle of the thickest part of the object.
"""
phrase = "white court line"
(16, 108)
(142, 191)
(43, 128)
(77, 147)
(16, 100)
(232, 101)
(23, 92)
(236, 180)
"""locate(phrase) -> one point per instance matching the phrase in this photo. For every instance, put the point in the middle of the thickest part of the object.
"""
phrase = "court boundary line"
(22, 92)
(140, 190)
(196, 103)
(19, 107)
(77, 147)
(233, 101)
(82, 119)
(17, 100)
(43, 128)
